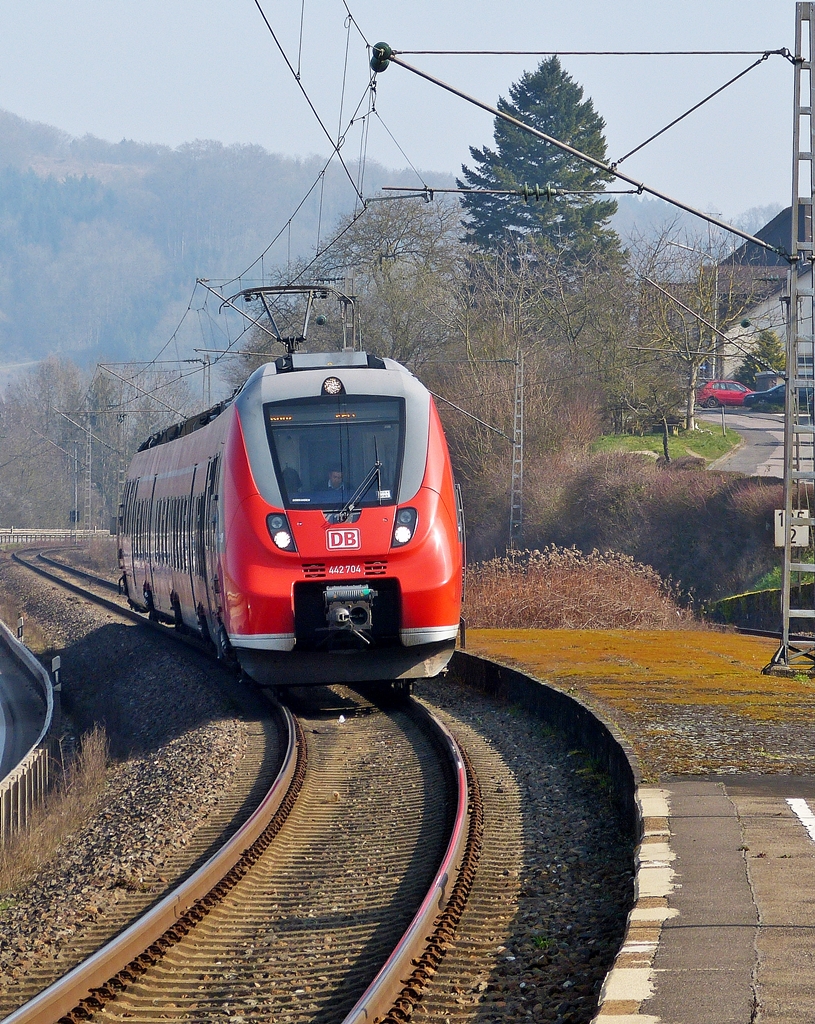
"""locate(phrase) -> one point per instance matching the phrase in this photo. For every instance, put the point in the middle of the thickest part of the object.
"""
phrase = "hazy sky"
(172, 71)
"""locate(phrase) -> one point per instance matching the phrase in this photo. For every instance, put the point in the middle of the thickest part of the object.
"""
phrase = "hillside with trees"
(101, 243)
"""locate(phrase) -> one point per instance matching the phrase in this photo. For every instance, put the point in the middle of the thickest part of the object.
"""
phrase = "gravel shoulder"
(177, 748)
(547, 911)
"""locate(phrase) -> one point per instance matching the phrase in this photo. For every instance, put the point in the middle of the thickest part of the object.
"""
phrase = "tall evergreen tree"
(768, 353)
(550, 100)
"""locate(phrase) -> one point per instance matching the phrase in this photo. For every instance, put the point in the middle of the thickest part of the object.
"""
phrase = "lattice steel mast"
(516, 497)
(797, 597)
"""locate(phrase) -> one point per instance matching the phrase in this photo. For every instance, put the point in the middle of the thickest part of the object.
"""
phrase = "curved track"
(302, 926)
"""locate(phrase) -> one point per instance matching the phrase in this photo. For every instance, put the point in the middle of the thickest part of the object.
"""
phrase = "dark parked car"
(773, 400)
(721, 392)
(764, 401)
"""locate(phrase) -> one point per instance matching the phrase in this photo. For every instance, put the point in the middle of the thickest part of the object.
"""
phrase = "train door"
(151, 531)
(126, 537)
(192, 529)
(211, 529)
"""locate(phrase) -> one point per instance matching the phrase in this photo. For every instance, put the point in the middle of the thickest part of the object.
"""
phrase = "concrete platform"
(724, 927)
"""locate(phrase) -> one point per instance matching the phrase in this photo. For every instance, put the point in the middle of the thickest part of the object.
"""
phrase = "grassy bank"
(707, 443)
(687, 701)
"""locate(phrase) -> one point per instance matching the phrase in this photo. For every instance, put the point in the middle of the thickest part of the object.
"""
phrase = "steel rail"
(92, 983)
(189, 639)
(91, 577)
(398, 985)
(113, 606)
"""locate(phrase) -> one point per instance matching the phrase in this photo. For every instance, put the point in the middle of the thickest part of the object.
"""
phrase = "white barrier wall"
(24, 788)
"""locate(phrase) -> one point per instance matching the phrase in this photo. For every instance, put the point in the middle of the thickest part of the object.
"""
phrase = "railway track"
(543, 921)
(332, 916)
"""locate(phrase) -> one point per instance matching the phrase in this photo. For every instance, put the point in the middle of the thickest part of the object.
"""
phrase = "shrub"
(711, 532)
(561, 588)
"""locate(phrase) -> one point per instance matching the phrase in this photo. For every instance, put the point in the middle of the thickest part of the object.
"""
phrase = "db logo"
(346, 539)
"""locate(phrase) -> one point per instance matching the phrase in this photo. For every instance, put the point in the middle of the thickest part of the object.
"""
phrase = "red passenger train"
(309, 527)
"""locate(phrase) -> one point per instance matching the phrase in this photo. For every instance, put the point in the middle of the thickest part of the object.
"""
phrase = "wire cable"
(527, 192)
(359, 197)
(174, 335)
(783, 52)
(355, 23)
(687, 113)
(386, 53)
(344, 80)
(300, 41)
(404, 154)
(326, 132)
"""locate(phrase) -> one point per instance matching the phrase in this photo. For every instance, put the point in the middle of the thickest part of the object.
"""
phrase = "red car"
(721, 392)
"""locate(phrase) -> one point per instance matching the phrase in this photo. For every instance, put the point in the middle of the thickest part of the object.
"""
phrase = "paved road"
(21, 713)
(762, 453)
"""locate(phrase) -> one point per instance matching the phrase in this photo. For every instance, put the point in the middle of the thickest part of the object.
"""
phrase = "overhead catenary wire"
(384, 54)
(470, 415)
(357, 186)
(320, 121)
(359, 197)
(355, 23)
(694, 108)
(300, 40)
(703, 320)
(783, 51)
(526, 192)
(404, 154)
(174, 335)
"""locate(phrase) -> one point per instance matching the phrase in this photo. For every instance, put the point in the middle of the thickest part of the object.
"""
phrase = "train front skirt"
(311, 667)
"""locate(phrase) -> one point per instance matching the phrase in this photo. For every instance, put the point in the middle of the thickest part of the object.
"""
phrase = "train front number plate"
(343, 540)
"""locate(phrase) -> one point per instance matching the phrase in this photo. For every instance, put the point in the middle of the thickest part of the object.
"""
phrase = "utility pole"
(797, 596)
(89, 487)
(516, 497)
(76, 489)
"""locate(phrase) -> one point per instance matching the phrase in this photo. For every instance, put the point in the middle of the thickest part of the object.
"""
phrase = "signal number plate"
(347, 539)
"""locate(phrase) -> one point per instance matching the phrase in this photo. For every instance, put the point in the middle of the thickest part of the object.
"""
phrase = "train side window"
(178, 533)
(171, 534)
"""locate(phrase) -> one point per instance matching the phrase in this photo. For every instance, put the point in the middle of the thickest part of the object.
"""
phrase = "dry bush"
(68, 806)
(711, 532)
(101, 553)
(561, 588)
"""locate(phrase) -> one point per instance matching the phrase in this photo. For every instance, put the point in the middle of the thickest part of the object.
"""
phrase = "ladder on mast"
(797, 652)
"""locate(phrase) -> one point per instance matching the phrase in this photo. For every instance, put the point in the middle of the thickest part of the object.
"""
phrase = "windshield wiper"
(372, 474)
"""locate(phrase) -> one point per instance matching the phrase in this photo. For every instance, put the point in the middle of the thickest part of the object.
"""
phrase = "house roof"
(777, 233)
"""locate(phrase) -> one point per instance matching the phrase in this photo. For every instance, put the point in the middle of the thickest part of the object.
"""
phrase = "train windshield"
(326, 449)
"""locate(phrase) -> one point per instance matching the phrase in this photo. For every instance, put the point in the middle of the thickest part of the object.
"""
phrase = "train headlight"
(280, 531)
(404, 527)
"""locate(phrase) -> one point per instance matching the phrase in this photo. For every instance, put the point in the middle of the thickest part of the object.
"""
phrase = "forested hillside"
(100, 243)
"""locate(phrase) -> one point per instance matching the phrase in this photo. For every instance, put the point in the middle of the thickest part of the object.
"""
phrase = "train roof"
(291, 363)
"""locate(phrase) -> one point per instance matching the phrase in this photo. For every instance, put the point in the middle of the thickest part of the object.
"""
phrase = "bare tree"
(689, 296)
